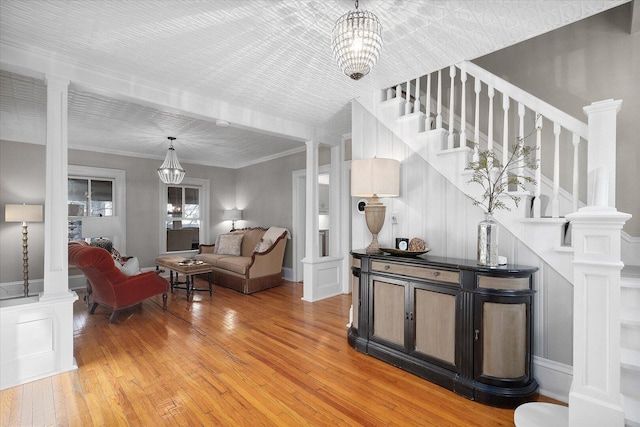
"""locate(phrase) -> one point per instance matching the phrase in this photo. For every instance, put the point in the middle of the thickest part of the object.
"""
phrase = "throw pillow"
(229, 244)
(130, 268)
(116, 256)
(263, 245)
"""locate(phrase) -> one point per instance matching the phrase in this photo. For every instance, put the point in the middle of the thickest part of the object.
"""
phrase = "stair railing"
(530, 110)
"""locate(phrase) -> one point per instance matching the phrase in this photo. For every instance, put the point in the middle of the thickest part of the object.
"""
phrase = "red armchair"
(111, 287)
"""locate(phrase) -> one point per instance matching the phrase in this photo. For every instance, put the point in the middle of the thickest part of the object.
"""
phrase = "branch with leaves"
(490, 173)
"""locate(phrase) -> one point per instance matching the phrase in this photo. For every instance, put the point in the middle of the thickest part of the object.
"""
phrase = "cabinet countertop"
(445, 262)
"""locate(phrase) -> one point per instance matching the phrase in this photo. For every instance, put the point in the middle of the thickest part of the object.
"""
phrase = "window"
(96, 192)
(184, 210)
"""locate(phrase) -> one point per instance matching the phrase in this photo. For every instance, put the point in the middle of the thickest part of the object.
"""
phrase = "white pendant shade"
(171, 172)
(356, 42)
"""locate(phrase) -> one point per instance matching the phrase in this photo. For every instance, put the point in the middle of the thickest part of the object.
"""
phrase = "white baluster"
(439, 105)
(463, 110)
(576, 178)
(408, 103)
(452, 99)
(555, 207)
(427, 105)
(389, 93)
(416, 103)
(536, 200)
(521, 112)
(505, 134)
(491, 93)
(476, 134)
(399, 91)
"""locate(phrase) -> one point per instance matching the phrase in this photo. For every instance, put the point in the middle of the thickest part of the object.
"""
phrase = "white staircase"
(437, 129)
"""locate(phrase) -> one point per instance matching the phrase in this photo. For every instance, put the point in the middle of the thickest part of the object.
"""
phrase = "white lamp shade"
(375, 177)
(23, 213)
(100, 226)
(232, 215)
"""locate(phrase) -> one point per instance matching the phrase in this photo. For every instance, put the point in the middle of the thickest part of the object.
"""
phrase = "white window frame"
(203, 187)
(119, 178)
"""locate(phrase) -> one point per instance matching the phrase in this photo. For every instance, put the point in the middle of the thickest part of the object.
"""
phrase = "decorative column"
(311, 222)
(56, 281)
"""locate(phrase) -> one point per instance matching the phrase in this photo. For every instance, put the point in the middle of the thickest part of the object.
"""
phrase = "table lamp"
(372, 179)
(232, 215)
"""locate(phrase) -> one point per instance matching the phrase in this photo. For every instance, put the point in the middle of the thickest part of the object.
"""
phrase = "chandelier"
(171, 172)
(356, 41)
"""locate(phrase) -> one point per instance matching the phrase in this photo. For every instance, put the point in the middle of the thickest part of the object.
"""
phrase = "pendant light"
(171, 172)
(356, 41)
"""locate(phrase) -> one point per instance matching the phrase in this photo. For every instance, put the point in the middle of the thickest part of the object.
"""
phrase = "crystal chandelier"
(356, 41)
(171, 172)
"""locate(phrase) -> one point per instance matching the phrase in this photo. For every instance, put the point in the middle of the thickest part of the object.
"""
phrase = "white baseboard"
(554, 378)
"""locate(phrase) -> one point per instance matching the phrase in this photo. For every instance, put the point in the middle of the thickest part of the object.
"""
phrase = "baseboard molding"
(554, 378)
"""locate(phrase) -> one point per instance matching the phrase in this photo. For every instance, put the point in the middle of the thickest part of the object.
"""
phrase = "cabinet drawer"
(355, 262)
(505, 283)
(415, 271)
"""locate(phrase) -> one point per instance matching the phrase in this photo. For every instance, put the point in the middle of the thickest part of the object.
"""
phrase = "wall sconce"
(375, 178)
(232, 215)
(24, 214)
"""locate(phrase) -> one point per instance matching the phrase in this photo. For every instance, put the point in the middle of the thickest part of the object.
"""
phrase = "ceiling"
(147, 69)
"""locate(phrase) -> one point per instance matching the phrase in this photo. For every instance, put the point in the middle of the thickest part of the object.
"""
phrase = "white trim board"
(554, 378)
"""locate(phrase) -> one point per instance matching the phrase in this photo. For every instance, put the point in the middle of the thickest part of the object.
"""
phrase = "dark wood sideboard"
(465, 327)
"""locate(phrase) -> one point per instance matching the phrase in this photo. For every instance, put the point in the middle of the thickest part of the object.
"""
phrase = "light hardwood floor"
(237, 360)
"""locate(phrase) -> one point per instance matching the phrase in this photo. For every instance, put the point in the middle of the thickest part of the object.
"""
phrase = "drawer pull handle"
(386, 267)
(436, 273)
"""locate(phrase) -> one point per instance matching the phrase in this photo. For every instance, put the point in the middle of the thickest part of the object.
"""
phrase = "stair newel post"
(408, 104)
(452, 99)
(491, 94)
(536, 200)
(463, 109)
(427, 105)
(521, 112)
(555, 204)
(416, 103)
(505, 133)
(439, 106)
(477, 87)
(576, 177)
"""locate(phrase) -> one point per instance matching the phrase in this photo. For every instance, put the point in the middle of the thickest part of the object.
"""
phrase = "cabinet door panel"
(389, 312)
(435, 327)
(504, 343)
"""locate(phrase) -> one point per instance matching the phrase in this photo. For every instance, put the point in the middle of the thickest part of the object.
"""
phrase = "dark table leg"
(188, 285)
(210, 288)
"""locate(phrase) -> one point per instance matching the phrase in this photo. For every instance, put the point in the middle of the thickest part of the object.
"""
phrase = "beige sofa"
(253, 266)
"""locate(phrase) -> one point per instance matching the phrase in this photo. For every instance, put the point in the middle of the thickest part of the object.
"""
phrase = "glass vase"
(488, 241)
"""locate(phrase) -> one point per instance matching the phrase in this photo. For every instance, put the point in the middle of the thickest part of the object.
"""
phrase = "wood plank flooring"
(232, 360)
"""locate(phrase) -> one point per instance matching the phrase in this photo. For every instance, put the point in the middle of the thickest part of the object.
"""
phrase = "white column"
(595, 391)
(55, 209)
(335, 200)
(602, 146)
(311, 229)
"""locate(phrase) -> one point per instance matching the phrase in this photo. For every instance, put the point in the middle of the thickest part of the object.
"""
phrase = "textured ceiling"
(268, 56)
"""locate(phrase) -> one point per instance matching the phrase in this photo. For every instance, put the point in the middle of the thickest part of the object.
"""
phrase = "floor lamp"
(372, 179)
(24, 214)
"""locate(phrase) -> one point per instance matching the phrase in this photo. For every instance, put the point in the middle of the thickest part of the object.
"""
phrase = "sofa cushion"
(229, 244)
(237, 264)
(251, 239)
(211, 259)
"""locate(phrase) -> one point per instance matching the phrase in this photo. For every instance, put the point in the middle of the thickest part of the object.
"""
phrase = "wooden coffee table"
(188, 268)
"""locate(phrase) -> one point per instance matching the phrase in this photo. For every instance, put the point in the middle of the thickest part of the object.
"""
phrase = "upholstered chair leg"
(93, 307)
(112, 318)
(164, 301)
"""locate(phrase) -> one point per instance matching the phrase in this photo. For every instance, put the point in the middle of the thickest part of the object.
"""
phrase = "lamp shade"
(232, 215)
(23, 213)
(100, 226)
(375, 178)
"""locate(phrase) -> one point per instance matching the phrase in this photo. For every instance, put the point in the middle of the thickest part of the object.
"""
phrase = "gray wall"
(264, 193)
(590, 60)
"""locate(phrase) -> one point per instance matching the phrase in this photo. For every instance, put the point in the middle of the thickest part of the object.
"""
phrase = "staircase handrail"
(536, 104)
